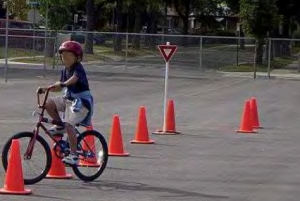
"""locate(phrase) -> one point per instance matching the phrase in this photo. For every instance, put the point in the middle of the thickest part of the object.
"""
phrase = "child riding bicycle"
(74, 79)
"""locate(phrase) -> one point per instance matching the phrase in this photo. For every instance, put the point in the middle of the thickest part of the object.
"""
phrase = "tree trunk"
(186, 17)
(151, 28)
(242, 40)
(137, 29)
(259, 51)
(118, 37)
(90, 8)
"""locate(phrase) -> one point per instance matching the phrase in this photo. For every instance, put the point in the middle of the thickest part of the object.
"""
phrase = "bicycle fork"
(31, 144)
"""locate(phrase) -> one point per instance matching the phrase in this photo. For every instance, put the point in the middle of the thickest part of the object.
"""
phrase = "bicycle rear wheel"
(35, 168)
(93, 155)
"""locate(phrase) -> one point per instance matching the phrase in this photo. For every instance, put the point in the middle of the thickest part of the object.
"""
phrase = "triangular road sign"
(167, 51)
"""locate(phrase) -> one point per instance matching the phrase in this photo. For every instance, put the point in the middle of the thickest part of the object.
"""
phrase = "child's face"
(68, 58)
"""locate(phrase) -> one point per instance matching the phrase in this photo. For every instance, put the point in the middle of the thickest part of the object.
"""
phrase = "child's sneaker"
(71, 159)
(57, 130)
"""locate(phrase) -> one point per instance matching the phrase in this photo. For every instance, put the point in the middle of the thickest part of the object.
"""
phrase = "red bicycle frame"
(40, 122)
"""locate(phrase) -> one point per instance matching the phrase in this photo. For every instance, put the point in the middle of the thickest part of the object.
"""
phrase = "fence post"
(126, 52)
(237, 50)
(298, 55)
(254, 63)
(45, 42)
(55, 50)
(269, 58)
(200, 54)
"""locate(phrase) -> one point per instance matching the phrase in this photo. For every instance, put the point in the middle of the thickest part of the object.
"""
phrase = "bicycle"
(86, 149)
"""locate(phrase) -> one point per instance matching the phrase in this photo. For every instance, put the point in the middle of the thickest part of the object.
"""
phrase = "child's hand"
(56, 87)
(41, 90)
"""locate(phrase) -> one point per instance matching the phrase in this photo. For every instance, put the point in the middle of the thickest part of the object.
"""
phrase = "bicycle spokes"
(89, 156)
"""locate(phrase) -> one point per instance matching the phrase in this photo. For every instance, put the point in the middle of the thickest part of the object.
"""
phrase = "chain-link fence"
(127, 51)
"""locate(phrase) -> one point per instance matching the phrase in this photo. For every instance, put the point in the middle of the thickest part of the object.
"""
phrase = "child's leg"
(54, 105)
(72, 119)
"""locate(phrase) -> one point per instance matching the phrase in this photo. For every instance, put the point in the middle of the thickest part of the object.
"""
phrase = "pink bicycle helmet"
(72, 46)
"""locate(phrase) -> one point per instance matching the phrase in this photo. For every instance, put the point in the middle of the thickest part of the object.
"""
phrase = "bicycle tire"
(44, 144)
(100, 137)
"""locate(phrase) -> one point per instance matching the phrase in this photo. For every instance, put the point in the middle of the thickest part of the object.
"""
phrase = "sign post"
(167, 52)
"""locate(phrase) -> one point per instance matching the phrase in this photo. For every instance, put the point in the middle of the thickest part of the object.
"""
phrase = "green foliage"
(207, 7)
(234, 5)
(59, 12)
(18, 8)
(258, 17)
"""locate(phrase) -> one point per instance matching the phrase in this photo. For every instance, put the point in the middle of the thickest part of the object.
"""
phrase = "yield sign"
(167, 51)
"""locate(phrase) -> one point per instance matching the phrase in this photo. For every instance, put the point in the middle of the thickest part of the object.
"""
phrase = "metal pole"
(45, 42)
(34, 19)
(298, 62)
(269, 59)
(6, 42)
(237, 48)
(200, 54)
(166, 94)
(254, 65)
(126, 53)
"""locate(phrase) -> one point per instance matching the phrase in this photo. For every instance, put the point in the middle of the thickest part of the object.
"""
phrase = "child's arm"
(70, 81)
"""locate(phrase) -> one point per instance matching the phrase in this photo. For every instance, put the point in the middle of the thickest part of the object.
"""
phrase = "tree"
(207, 10)
(90, 9)
(2, 10)
(18, 8)
(289, 10)
(183, 8)
(234, 5)
(259, 18)
(59, 12)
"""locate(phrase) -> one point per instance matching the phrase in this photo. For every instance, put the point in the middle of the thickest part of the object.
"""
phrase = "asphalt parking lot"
(208, 161)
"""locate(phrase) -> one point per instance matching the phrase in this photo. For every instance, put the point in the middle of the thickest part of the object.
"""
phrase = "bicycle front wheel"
(93, 155)
(35, 168)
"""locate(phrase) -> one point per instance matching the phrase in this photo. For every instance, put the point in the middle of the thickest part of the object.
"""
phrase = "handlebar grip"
(40, 90)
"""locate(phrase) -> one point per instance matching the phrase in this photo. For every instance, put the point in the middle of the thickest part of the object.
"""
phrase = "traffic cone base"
(64, 176)
(23, 192)
(118, 154)
(161, 132)
(246, 131)
(14, 181)
(142, 142)
(257, 127)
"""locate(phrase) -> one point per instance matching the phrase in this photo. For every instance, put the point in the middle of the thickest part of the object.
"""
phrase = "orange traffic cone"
(246, 123)
(89, 144)
(14, 181)
(169, 128)
(141, 134)
(254, 112)
(116, 142)
(58, 169)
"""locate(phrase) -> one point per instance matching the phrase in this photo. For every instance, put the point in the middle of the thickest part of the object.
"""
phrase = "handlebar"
(40, 91)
